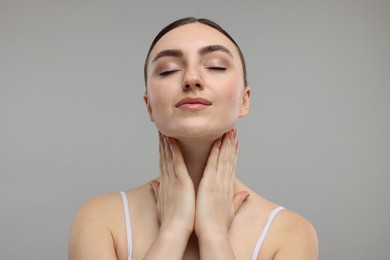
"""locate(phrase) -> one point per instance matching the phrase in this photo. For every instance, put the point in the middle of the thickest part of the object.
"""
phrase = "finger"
(234, 152)
(212, 160)
(163, 166)
(231, 160)
(177, 158)
(225, 160)
(238, 199)
(225, 147)
(169, 159)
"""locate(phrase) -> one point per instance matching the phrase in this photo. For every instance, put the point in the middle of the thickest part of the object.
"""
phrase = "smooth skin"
(197, 208)
(214, 207)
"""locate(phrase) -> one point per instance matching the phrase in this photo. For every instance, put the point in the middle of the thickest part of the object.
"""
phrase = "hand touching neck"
(196, 153)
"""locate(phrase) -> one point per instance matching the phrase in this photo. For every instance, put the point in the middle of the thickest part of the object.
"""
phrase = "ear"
(148, 107)
(244, 109)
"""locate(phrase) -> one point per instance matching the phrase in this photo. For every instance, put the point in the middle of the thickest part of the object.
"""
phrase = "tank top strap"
(128, 225)
(265, 231)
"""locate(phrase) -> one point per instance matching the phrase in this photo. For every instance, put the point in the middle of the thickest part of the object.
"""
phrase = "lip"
(196, 103)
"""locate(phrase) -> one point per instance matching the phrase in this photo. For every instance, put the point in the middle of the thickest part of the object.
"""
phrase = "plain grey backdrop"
(73, 123)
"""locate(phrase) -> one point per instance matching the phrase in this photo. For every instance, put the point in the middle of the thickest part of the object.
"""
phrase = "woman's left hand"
(216, 202)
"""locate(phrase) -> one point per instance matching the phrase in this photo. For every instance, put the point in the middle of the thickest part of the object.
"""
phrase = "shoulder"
(103, 208)
(290, 236)
(99, 229)
(91, 231)
(296, 236)
(99, 210)
(100, 203)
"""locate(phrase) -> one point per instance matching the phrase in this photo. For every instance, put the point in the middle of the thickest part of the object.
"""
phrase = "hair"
(188, 20)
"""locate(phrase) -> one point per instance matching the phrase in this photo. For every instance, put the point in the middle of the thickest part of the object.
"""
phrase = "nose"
(192, 80)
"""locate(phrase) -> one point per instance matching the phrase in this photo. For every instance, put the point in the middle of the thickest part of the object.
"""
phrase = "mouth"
(193, 103)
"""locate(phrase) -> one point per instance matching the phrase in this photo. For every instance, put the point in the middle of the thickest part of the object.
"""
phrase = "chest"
(244, 233)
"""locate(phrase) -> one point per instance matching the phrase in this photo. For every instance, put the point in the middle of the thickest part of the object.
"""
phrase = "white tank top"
(130, 239)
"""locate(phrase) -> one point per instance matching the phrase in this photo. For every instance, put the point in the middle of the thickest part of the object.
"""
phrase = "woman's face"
(195, 84)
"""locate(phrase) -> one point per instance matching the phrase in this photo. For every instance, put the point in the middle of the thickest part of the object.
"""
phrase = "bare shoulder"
(98, 229)
(91, 232)
(290, 236)
(296, 237)
(98, 211)
(100, 204)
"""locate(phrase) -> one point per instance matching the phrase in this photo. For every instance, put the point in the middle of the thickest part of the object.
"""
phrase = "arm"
(216, 201)
(215, 246)
(90, 236)
(299, 240)
(175, 198)
(169, 244)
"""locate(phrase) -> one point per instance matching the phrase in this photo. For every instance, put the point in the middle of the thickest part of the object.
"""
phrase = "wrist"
(211, 229)
(174, 234)
(212, 235)
(169, 244)
(215, 246)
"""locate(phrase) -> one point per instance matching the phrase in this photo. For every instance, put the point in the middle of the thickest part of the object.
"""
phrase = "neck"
(195, 153)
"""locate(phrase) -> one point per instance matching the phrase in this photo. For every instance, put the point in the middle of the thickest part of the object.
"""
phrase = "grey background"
(73, 123)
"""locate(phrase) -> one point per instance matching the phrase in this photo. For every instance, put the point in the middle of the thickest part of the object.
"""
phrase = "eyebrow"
(213, 48)
(168, 53)
(203, 51)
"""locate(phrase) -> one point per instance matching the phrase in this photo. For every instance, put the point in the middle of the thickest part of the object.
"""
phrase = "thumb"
(155, 185)
(238, 199)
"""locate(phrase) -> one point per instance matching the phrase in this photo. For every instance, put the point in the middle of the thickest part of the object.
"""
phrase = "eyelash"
(217, 68)
(170, 72)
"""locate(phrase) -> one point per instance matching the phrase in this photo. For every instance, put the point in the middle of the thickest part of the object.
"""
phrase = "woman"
(196, 90)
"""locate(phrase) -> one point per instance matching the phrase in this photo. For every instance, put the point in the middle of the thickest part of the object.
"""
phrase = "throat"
(195, 154)
(192, 250)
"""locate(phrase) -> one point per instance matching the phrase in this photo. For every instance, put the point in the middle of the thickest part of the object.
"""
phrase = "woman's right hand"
(175, 194)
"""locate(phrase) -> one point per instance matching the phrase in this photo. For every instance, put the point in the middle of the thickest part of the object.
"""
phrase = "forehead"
(192, 37)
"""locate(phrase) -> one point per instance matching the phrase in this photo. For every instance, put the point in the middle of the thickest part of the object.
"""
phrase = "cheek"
(159, 102)
(234, 94)
(157, 105)
(156, 96)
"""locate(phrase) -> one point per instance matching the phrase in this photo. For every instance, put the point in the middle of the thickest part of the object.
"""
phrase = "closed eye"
(217, 68)
(167, 72)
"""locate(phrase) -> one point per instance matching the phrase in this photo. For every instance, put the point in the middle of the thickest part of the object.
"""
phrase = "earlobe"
(244, 109)
(148, 107)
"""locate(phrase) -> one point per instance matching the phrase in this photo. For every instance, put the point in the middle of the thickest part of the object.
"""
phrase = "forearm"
(215, 246)
(168, 245)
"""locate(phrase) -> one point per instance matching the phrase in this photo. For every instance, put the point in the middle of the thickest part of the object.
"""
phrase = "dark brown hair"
(187, 20)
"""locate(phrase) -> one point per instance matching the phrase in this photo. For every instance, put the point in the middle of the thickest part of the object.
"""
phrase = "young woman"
(196, 90)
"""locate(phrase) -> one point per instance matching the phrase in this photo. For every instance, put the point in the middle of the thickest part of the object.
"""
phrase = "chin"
(196, 131)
